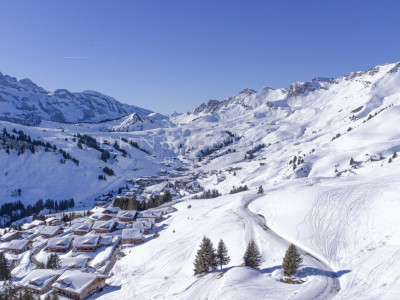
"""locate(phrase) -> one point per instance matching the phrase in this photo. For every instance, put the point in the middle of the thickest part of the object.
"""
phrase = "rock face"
(22, 101)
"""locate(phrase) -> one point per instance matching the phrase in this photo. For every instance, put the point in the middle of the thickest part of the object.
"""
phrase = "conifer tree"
(53, 262)
(260, 189)
(205, 258)
(252, 256)
(291, 261)
(4, 270)
(222, 254)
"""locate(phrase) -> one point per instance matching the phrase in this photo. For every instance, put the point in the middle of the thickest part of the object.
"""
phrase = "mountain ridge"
(24, 102)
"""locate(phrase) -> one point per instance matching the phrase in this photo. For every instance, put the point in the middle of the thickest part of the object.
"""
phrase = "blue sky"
(174, 55)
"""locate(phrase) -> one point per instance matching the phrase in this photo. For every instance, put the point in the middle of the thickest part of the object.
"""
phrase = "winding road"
(257, 223)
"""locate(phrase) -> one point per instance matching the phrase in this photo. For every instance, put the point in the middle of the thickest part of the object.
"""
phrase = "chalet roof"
(120, 225)
(150, 214)
(39, 278)
(9, 234)
(76, 281)
(32, 224)
(98, 216)
(53, 219)
(82, 226)
(131, 233)
(82, 241)
(14, 245)
(105, 240)
(106, 225)
(50, 230)
(126, 214)
(112, 210)
(78, 262)
(146, 220)
(141, 225)
(59, 242)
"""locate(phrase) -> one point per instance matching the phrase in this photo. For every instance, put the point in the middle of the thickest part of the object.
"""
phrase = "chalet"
(120, 225)
(28, 226)
(81, 228)
(39, 281)
(101, 217)
(50, 231)
(12, 235)
(79, 285)
(126, 216)
(97, 209)
(16, 246)
(86, 243)
(132, 236)
(151, 214)
(144, 227)
(74, 263)
(112, 210)
(105, 240)
(59, 244)
(53, 221)
(103, 226)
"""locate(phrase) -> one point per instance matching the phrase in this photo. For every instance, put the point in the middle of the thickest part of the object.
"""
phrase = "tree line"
(16, 210)
(131, 203)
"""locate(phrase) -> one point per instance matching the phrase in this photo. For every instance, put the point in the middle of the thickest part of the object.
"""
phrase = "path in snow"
(256, 223)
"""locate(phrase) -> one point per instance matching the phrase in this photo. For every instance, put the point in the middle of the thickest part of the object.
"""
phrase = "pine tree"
(260, 190)
(4, 270)
(222, 254)
(53, 262)
(291, 261)
(205, 258)
(252, 256)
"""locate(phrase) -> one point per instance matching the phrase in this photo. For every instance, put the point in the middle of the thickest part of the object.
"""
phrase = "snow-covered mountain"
(261, 102)
(324, 151)
(22, 101)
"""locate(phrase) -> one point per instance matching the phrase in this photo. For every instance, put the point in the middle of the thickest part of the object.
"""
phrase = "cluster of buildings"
(77, 243)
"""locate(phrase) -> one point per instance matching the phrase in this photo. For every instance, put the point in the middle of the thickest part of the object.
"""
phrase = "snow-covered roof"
(126, 214)
(9, 234)
(33, 224)
(59, 242)
(76, 281)
(39, 278)
(78, 262)
(86, 240)
(85, 227)
(106, 225)
(97, 209)
(105, 240)
(146, 220)
(98, 216)
(141, 225)
(131, 233)
(52, 219)
(150, 214)
(120, 225)
(112, 210)
(14, 245)
(50, 230)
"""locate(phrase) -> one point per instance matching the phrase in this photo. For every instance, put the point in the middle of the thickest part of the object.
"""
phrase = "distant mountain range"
(22, 101)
